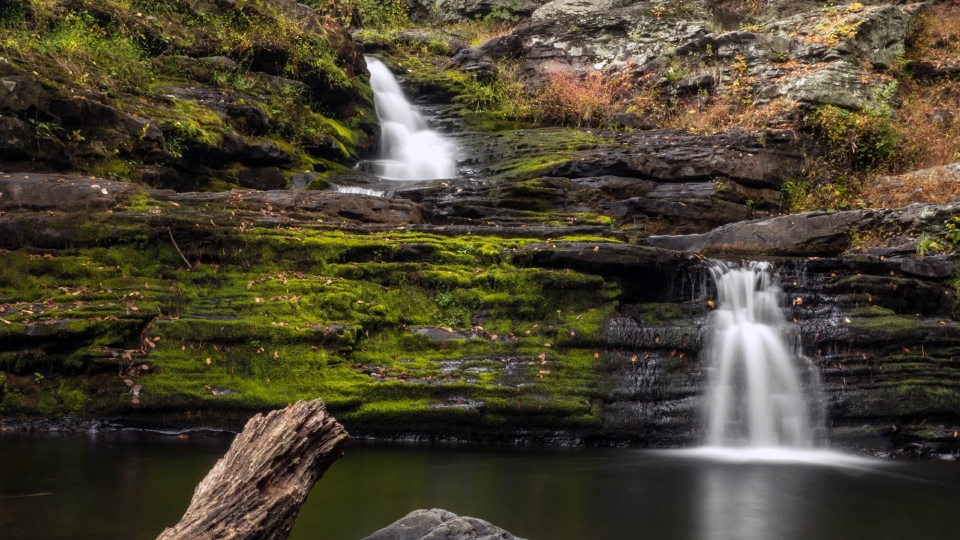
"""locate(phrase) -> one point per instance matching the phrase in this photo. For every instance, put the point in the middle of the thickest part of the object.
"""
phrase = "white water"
(409, 150)
(756, 395)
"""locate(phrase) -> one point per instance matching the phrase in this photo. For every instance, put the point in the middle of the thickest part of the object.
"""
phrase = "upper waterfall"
(409, 150)
(756, 395)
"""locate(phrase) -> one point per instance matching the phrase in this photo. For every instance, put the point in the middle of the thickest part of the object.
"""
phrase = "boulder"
(438, 524)
(479, 60)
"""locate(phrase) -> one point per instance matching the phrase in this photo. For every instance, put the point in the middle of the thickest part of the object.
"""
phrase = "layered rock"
(814, 57)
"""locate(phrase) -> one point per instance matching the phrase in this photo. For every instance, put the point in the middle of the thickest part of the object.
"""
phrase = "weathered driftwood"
(256, 490)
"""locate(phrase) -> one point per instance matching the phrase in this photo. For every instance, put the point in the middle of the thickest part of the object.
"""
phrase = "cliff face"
(161, 309)
(554, 292)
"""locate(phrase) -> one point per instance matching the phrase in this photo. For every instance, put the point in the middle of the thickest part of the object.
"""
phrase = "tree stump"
(256, 490)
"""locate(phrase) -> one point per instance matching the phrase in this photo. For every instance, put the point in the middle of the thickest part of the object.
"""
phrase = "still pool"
(130, 486)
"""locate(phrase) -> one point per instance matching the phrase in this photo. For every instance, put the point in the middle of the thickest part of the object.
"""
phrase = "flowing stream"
(758, 379)
(409, 149)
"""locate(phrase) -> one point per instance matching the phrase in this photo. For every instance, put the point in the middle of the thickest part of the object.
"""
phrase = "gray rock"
(756, 159)
(455, 10)
(809, 234)
(641, 37)
(437, 524)
(262, 178)
(35, 191)
(302, 180)
(21, 94)
(219, 61)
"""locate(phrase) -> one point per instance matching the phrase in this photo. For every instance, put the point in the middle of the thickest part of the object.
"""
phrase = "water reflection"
(132, 487)
(737, 503)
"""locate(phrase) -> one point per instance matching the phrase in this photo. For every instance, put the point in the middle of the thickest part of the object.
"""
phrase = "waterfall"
(758, 376)
(409, 150)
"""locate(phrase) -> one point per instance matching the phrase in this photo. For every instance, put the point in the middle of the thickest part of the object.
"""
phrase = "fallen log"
(256, 490)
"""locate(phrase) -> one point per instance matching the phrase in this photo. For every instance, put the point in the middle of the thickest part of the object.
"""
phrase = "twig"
(178, 249)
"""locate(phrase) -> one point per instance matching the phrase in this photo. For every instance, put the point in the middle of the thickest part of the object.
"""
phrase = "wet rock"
(756, 159)
(437, 524)
(645, 272)
(34, 191)
(302, 180)
(362, 208)
(221, 62)
(437, 334)
(262, 178)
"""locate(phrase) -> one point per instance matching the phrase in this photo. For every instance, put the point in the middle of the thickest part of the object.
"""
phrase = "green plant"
(953, 230)
(444, 298)
(368, 13)
(499, 14)
(929, 244)
(37, 377)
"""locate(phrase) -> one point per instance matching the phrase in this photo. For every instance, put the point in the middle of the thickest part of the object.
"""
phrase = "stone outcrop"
(760, 160)
(821, 234)
(812, 56)
(457, 10)
(438, 524)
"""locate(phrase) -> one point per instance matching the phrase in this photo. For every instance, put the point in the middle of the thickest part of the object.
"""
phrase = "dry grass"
(937, 33)
(581, 100)
(727, 113)
(935, 185)
(477, 31)
(930, 126)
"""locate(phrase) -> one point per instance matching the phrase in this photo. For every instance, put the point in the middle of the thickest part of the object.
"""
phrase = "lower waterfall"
(762, 392)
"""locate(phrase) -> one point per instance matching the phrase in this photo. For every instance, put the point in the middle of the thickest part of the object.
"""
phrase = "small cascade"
(758, 378)
(409, 150)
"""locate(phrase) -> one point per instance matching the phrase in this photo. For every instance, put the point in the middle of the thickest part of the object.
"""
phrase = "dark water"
(131, 487)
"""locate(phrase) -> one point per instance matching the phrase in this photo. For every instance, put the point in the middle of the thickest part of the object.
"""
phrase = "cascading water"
(758, 376)
(409, 150)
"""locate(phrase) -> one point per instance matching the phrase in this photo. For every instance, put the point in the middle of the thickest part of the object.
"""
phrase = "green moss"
(279, 315)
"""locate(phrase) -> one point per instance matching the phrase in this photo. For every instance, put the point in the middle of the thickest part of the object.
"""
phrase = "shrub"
(365, 13)
(572, 99)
